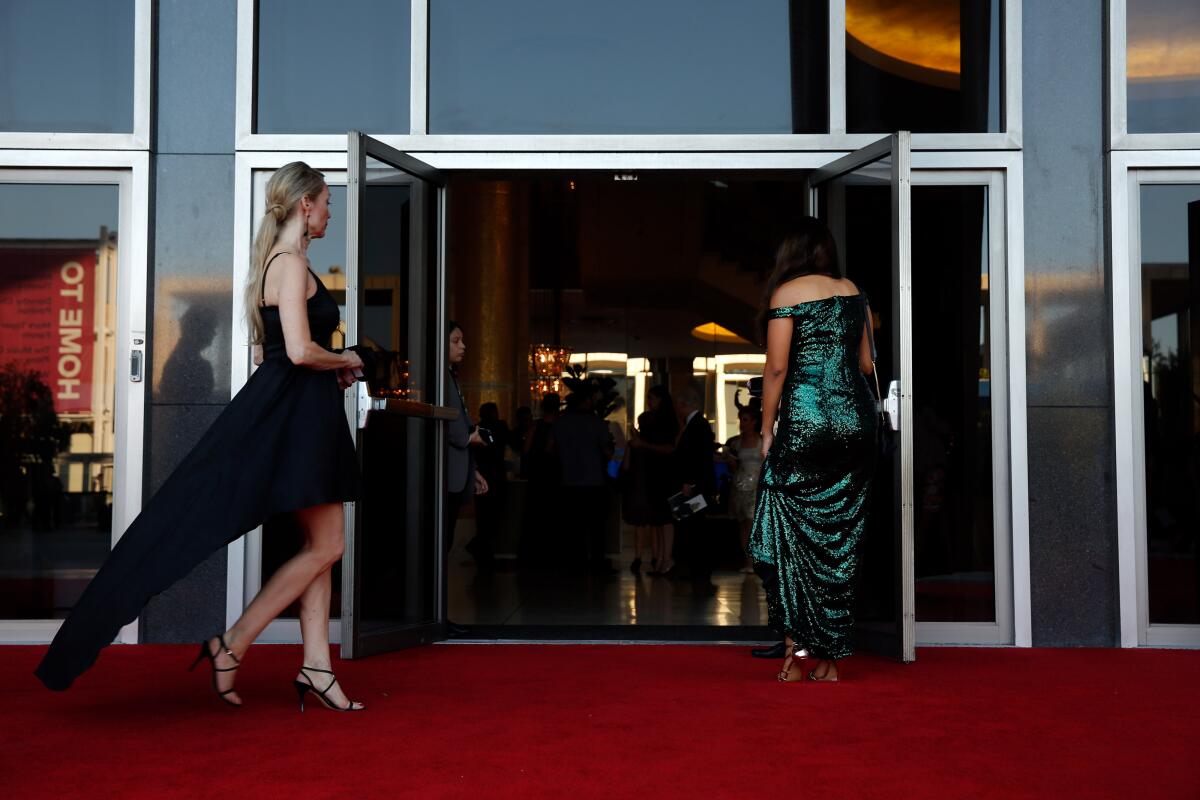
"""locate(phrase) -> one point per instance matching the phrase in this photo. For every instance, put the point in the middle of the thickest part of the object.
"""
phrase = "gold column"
(488, 256)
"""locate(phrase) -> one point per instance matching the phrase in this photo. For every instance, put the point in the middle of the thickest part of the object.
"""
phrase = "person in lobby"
(814, 491)
(518, 436)
(744, 453)
(581, 441)
(463, 479)
(539, 466)
(489, 507)
(281, 446)
(695, 475)
(648, 481)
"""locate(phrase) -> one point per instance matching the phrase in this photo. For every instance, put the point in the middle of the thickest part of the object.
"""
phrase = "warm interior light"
(712, 332)
(547, 364)
(925, 34)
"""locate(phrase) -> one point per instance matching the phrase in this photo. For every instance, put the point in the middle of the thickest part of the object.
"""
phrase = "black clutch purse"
(369, 358)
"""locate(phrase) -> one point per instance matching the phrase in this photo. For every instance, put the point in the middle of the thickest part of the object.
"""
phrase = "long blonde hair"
(290, 184)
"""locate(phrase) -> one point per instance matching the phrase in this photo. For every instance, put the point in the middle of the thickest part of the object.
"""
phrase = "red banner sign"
(47, 309)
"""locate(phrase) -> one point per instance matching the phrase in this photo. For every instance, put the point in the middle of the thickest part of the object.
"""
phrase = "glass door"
(866, 199)
(72, 387)
(393, 593)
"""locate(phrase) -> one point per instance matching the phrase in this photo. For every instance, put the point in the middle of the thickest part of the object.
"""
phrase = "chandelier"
(546, 366)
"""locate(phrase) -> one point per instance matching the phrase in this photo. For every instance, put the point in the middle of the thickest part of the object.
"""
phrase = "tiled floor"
(506, 596)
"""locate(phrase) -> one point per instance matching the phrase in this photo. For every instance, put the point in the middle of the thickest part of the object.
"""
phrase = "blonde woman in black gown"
(281, 446)
(814, 490)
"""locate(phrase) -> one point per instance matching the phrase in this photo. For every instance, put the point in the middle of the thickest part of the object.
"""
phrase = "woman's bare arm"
(779, 345)
(865, 363)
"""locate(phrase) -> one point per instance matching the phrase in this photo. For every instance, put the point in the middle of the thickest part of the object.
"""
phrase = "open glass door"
(393, 589)
(862, 197)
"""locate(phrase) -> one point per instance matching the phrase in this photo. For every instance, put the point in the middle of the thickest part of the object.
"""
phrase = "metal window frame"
(927, 167)
(1129, 171)
(1002, 630)
(1119, 137)
(419, 141)
(130, 172)
(139, 138)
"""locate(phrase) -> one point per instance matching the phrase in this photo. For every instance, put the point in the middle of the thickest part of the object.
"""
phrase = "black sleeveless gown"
(282, 444)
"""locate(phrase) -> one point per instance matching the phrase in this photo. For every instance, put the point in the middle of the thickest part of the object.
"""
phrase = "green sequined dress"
(814, 492)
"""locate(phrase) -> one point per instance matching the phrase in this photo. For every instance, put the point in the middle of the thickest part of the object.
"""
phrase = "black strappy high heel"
(212, 658)
(782, 677)
(303, 688)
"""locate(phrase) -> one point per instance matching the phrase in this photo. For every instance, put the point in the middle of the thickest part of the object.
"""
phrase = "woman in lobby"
(281, 446)
(744, 454)
(649, 481)
(464, 479)
(816, 475)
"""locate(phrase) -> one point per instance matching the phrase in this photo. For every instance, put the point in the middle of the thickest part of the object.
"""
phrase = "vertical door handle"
(364, 403)
(891, 405)
(137, 360)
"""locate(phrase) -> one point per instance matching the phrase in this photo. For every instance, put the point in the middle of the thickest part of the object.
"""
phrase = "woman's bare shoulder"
(808, 288)
(286, 262)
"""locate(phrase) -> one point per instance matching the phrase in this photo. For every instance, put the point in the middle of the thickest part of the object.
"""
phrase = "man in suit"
(583, 445)
(693, 459)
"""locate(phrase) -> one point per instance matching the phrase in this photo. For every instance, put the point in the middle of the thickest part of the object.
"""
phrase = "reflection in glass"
(923, 65)
(624, 66)
(1170, 271)
(58, 372)
(324, 68)
(66, 66)
(952, 430)
(1163, 66)
(952, 408)
(395, 538)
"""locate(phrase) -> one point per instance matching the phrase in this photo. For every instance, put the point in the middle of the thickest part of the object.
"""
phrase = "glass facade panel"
(1163, 66)
(623, 66)
(329, 69)
(1170, 273)
(952, 406)
(58, 372)
(66, 66)
(923, 65)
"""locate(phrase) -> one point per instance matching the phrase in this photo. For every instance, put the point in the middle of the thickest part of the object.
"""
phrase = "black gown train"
(282, 444)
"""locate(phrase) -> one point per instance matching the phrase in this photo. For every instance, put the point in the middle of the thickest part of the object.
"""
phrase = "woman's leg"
(666, 561)
(314, 631)
(323, 542)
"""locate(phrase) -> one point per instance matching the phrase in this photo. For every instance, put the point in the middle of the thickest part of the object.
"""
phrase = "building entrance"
(637, 280)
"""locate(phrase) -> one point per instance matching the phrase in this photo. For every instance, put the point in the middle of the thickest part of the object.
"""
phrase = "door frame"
(130, 172)
(428, 195)
(895, 149)
(1009, 164)
(1128, 171)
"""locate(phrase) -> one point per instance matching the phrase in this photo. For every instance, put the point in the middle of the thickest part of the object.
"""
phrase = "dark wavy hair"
(808, 249)
(451, 327)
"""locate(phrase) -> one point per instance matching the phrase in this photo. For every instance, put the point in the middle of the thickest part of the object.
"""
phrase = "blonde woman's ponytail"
(287, 187)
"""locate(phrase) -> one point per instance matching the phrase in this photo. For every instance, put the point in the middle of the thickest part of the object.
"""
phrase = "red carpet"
(612, 722)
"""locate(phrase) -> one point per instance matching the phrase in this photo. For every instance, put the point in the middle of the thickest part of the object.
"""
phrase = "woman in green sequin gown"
(814, 492)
